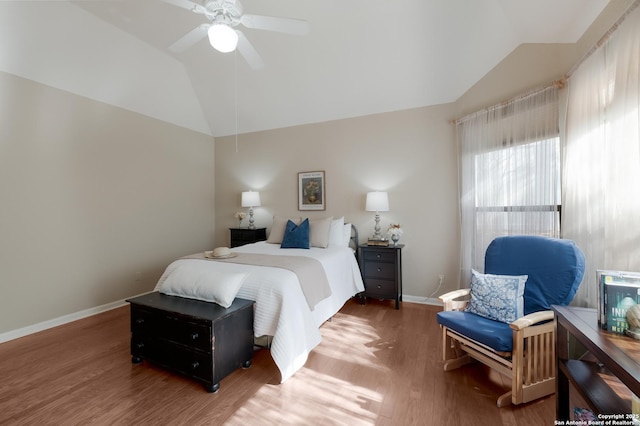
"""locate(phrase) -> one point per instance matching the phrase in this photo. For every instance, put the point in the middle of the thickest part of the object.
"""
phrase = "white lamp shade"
(377, 202)
(223, 38)
(250, 199)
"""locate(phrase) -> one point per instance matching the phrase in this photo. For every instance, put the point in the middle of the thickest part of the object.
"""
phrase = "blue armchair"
(522, 349)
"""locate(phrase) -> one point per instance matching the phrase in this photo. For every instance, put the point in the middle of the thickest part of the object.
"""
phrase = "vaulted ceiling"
(360, 56)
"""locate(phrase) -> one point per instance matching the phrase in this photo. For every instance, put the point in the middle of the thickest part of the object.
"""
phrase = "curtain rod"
(558, 83)
(603, 39)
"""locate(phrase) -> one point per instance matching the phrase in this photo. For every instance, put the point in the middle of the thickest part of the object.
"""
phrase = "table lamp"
(377, 201)
(251, 199)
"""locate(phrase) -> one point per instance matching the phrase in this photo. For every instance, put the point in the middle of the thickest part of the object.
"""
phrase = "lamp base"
(376, 230)
(251, 224)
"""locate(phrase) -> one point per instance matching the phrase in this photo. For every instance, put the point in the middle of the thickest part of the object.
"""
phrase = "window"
(518, 190)
(510, 180)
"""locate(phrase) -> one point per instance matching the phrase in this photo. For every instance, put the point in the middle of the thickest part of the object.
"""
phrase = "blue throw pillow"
(497, 297)
(296, 236)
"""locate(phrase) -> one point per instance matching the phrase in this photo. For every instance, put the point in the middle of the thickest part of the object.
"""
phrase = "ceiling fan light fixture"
(223, 38)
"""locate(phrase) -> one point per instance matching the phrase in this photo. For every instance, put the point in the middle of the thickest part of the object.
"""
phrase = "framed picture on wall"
(311, 191)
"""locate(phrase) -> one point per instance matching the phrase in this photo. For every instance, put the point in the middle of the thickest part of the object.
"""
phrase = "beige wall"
(411, 154)
(95, 201)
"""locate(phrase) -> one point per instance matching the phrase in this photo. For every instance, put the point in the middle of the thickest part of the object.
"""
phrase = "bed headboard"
(353, 240)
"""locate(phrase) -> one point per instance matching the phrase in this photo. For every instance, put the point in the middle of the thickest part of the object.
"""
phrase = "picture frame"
(311, 191)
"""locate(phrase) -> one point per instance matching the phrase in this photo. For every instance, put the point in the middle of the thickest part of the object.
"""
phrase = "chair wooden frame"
(530, 365)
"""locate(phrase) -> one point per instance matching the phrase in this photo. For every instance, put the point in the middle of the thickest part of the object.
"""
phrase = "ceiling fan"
(224, 16)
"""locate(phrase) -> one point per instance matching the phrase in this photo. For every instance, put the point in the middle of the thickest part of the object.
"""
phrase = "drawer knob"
(378, 255)
(195, 364)
(139, 320)
(379, 286)
(140, 345)
(379, 269)
(194, 335)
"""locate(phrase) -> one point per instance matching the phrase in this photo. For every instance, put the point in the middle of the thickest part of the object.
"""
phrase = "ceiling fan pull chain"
(235, 91)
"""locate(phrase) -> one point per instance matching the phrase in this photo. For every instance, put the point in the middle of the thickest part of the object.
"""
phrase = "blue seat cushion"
(495, 334)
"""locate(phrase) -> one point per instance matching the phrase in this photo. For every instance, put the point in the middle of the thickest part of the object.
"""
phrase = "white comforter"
(281, 309)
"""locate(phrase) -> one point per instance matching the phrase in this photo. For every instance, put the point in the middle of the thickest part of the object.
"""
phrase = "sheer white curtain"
(509, 174)
(601, 205)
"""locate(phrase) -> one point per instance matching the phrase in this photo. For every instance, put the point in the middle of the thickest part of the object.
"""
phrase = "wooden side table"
(602, 367)
(381, 269)
(242, 236)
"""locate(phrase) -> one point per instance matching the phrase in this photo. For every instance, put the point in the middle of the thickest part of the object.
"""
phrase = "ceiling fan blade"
(188, 5)
(189, 39)
(249, 52)
(281, 25)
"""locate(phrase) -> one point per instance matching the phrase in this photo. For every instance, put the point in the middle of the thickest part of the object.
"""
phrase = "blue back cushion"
(296, 236)
(555, 268)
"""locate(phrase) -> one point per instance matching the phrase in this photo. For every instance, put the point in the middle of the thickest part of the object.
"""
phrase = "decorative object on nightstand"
(239, 216)
(242, 236)
(381, 269)
(251, 199)
(377, 201)
(395, 231)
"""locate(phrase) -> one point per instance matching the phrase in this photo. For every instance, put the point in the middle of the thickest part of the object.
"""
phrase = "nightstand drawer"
(380, 270)
(380, 255)
(242, 236)
(381, 288)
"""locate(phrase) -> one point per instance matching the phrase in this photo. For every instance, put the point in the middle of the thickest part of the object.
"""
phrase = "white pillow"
(278, 227)
(346, 235)
(194, 280)
(319, 232)
(335, 232)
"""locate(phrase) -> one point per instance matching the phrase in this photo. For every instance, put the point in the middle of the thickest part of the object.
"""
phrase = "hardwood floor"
(375, 365)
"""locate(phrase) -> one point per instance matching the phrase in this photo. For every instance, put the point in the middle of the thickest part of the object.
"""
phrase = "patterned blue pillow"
(497, 297)
(296, 236)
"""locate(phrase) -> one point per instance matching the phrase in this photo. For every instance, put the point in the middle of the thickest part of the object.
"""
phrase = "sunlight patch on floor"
(332, 387)
(310, 397)
(362, 341)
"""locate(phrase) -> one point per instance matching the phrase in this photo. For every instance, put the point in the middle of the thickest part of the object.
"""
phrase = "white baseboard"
(25, 331)
(420, 299)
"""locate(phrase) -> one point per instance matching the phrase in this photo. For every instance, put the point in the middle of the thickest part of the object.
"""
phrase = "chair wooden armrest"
(450, 302)
(531, 319)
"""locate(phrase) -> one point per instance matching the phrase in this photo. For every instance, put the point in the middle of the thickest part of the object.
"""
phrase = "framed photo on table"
(311, 191)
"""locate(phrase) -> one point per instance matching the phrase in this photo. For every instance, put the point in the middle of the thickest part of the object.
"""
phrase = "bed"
(284, 310)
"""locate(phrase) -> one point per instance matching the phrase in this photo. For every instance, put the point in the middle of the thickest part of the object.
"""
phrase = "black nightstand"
(381, 269)
(242, 236)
